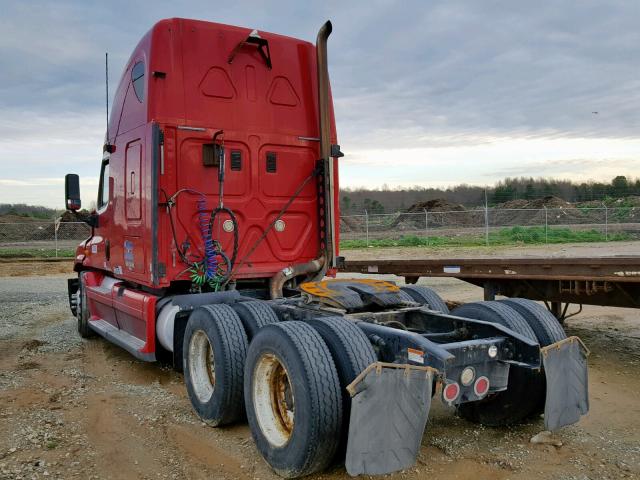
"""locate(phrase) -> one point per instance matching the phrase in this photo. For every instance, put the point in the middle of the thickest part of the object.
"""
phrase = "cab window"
(137, 78)
(103, 188)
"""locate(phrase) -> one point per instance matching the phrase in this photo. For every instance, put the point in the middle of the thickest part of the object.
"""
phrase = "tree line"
(387, 200)
(28, 211)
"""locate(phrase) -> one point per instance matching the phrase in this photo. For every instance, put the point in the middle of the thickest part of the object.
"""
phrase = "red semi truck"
(215, 231)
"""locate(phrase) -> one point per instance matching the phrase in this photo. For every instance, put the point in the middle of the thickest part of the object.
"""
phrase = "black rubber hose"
(236, 237)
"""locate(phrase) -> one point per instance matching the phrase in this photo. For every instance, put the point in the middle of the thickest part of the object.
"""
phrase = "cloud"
(483, 160)
(443, 78)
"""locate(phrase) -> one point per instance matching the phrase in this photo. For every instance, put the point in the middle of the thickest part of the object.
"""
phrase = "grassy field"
(36, 252)
(504, 236)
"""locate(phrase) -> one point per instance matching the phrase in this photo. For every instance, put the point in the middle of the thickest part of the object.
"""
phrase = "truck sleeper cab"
(215, 229)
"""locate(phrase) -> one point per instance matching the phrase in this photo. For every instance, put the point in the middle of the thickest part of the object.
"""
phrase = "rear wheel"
(352, 352)
(543, 323)
(292, 396)
(82, 310)
(525, 387)
(545, 326)
(426, 296)
(255, 315)
(214, 350)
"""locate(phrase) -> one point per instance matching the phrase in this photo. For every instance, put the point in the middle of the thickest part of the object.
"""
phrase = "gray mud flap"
(389, 410)
(565, 366)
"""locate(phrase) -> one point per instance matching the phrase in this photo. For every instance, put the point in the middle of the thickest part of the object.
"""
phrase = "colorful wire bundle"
(210, 262)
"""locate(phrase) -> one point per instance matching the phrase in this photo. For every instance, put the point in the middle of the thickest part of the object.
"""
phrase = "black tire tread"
(426, 296)
(234, 336)
(352, 352)
(254, 315)
(234, 341)
(352, 339)
(82, 314)
(323, 388)
(496, 312)
(545, 326)
(321, 371)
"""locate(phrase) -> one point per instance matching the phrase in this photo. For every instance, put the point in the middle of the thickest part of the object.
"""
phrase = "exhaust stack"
(325, 147)
(316, 269)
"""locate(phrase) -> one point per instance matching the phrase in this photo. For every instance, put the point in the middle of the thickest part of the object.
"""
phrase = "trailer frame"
(604, 281)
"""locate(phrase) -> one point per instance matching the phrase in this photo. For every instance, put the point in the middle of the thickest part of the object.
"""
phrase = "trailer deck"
(607, 281)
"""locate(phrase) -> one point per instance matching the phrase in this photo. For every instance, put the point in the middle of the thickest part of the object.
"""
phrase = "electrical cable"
(236, 235)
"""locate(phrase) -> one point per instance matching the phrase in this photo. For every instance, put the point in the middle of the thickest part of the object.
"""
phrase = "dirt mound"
(435, 205)
(539, 203)
(80, 216)
(532, 213)
(439, 211)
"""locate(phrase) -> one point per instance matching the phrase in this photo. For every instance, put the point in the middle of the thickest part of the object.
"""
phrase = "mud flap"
(389, 409)
(565, 366)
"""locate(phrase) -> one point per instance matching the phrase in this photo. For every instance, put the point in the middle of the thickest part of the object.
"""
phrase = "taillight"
(481, 387)
(450, 392)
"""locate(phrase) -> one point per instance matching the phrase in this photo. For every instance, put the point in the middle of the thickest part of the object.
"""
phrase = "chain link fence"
(45, 239)
(484, 226)
(492, 226)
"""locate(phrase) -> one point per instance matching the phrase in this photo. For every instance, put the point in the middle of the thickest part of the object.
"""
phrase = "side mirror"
(72, 192)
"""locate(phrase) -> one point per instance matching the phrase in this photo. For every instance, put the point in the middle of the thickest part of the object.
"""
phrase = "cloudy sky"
(426, 92)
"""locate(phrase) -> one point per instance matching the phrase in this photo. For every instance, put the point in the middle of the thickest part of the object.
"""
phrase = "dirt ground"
(72, 408)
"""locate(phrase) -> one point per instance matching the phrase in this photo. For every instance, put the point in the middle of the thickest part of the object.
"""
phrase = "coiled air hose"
(210, 262)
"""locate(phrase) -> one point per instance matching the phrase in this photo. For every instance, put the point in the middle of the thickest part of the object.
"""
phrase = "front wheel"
(82, 310)
(292, 396)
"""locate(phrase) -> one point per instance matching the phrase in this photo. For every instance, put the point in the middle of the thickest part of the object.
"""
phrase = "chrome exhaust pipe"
(276, 284)
(323, 90)
(316, 269)
(324, 121)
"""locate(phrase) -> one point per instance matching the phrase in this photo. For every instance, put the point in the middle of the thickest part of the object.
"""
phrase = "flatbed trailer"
(606, 281)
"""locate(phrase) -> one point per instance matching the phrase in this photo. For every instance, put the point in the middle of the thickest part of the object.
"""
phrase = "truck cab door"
(99, 247)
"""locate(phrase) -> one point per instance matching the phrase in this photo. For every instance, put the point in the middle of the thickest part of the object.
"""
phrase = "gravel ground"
(72, 408)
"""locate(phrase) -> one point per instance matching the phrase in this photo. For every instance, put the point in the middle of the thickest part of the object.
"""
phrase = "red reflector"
(450, 392)
(481, 387)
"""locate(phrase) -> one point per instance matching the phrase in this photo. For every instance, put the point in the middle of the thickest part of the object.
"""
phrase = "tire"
(215, 331)
(82, 310)
(291, 357)
(496, 312)
(546, 328)
(406, 297)
(255, 315)
(525, 387)
(352, 352)
(426, 296)
(544, 324)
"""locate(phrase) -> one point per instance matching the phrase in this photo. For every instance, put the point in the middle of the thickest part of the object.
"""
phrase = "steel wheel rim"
(202, 366)
(273, 400)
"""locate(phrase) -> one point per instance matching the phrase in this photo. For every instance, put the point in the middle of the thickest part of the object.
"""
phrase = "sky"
(428, 93)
